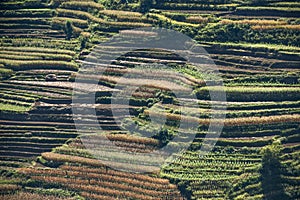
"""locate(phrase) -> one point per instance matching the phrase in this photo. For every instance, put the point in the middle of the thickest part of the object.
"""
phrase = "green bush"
(258, 2)
(5, 73)
(271, 172)
(244, 33)
(68, 30)
(145, 5)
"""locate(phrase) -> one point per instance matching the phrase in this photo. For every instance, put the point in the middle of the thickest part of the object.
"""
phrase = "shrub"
(68, 30)
(258, 2)
(145, 5)
(271, 172)
(5, 73)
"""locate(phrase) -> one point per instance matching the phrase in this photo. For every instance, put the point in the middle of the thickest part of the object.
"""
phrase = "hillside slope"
(254, 45)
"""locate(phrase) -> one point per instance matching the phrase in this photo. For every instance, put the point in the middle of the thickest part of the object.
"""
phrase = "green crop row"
(235, 143)
(14, 5)
(257, 46)
(44, 91)
(17, 97)
(163, 18)
(28, 57)
(27, 13)
(24, 20)
(11, 107)
(35, 55)
(261, 11)
(197, 6)
(198, 1)
(24, 26)
(38, 50)
(252, 94)
(15, 102)
(38, 64)
(37, 43)
(286, 4)
(260, 8)
(34, 139)
(244, 33)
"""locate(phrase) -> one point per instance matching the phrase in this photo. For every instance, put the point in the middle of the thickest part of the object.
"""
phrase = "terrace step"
(268, 12)
(17, 154)
(57, 134)
(25, 149)
(30, 144)
(34, 139)
(22, 26)
(12, 164)
(34, 123)
(249, 59)
(221, 49)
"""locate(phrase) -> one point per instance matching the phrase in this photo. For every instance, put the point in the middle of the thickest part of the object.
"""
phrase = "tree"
(259, 2)
(115, 4)
(145, 5)
(270, 159)
(68, 30)
(164, 136)
(270, 172)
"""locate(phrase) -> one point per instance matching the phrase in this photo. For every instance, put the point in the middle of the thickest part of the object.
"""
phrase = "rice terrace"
(149, 99)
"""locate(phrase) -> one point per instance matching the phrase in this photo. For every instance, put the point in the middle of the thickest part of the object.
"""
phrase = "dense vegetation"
(255, 45)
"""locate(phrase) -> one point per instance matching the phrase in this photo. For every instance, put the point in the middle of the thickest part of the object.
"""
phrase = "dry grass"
(82, 4)
(96, 183)
(271, 27)
(30, 196)
(117, 13)
(71, 159)
(132, 139)
(124, 18)
(95, 163)
(196, 19)
(111, 185)
(6, 188)
(101, 180)
(262, 120)
(254, 22)
(111, 192)
(86, 15)
(138, 33)
(140, 82)
(42, 171)
(76, 22)
(95, 196)
(151, 182)
(230, 121)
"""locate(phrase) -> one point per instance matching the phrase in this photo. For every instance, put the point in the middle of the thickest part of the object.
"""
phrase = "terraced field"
(47, 131)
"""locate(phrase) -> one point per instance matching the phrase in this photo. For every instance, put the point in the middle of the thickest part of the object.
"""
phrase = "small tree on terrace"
(259, 2)
(271, 172)
(145, 5)
(68, 30)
